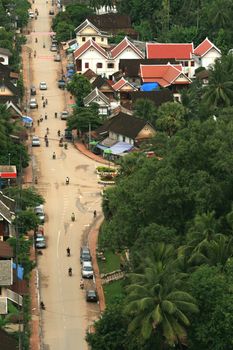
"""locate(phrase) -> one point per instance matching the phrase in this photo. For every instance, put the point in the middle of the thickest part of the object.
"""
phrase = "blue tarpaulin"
(20, 271)
(149, 86)
(101, 147)
(121, 147)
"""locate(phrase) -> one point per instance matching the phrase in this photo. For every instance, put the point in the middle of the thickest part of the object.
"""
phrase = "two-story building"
(104, 62)
(86, 31)
(205, 54)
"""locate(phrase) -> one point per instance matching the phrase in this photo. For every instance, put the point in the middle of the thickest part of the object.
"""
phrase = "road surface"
(67, 315)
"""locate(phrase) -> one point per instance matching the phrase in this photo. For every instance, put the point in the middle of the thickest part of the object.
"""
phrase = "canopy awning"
(101, 147)
(121, 147)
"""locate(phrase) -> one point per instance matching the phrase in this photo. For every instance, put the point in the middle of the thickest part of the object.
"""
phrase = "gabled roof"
(123, 124)
(4, 70)
(100, 81)
(157, 97)
(131, 67)
(6, 251)
(5, 52)
(93, 94)
(175, 51)
(204, 47)
(86, 46)
(10, 104)
(85, 24)
(5, 82)
(109, 21)
(89, 74)
(120, 83)
(124, 44)
(164, 75)
(9, 202)
(8, 342)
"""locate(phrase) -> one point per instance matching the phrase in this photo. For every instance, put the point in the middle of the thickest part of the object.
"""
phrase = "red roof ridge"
(122, 46)
(80, 50)
(186, 53)
(205, 46)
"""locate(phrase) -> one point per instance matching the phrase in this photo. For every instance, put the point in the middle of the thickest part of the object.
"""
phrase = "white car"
(39, 210)
(43, 85)
(33, 103)
(35, 141)
(31, 14)
(87, 269)
(53, 48)
(64, 115)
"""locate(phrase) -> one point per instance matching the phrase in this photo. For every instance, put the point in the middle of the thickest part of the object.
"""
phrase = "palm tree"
(219, 92)
(158, 305)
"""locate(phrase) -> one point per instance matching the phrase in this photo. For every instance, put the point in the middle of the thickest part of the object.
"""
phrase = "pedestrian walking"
(45, 117)
(42, 97)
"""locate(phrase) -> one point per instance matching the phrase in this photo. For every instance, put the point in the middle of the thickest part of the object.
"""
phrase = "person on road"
(94, 213)
(81, 284)
(59, 133)
(72, 217)
(45, 117)
(35, 53)
(44, 45)
(68, 251)
(54, 155)
(67, 180)
(38, 122)
(36, 40)
(46, 101)
(44, 104)
(70, 271)
(47, 130)
(55, 114)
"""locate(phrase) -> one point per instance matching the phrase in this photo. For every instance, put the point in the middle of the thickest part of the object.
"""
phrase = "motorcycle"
(54, 155)
(67, 181)
(70, 271)
(68, 251)
(42, 305)
(65, 146)
(72, 217)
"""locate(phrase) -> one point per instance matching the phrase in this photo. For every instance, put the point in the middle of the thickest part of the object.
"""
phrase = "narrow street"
(67, 315)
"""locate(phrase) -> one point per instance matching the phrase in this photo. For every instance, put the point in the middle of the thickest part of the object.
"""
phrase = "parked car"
(91, 295)
(33, 90)
(64, 115)
(31, 14)
(39, 210)
(87, 269)
(43, 85)
(61, 84)
(33, 103)
(40, 242)
(53, 48)
(68, 134)
(35, 141)
(85, 254)
(57, 57)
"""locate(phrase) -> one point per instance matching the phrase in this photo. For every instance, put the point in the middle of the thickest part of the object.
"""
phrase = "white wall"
(4, 59)
(209, 58)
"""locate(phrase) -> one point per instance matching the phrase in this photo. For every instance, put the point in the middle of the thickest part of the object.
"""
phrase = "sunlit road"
(67, 315)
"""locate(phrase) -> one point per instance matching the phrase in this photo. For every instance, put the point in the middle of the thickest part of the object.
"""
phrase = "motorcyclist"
(36, 40)
(67, 180)
(68, 251)
(54, 155)
(42, 305)
(47, 143)
(70, 271)
(81, 284)
(72, 217)
(47, 130)
(59, 133)
(55, 114)
(94, 213)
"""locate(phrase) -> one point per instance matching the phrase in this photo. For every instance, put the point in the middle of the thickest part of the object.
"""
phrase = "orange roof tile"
(86, 46)
(122, 46)
(120, 83)
(164, 75)
(204, 47)
(175, 51)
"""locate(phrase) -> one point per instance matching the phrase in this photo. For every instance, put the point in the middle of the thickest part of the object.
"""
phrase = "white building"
(206, 54)
(87, 31)
(92, 56)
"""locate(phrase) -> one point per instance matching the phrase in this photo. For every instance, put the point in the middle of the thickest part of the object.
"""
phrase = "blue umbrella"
(27, 119)
(70, 71)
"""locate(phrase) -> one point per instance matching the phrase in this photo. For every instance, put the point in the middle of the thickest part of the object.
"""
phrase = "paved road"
(67, 315)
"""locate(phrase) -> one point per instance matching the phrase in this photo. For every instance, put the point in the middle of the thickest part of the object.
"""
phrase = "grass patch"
(113, 291)
(111, 263)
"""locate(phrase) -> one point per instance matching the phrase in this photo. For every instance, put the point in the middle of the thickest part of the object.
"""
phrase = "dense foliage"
(174, 213)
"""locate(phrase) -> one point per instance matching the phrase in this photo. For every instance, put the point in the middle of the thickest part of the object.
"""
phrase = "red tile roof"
(204, 47)
(122, 46)
(175, 51)
(6, 251)
(120, 83)
(164, 75)
(86, 46)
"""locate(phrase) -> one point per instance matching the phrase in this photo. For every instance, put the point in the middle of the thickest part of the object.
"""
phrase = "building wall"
(209, 58)
(146, 133)
(89, 33)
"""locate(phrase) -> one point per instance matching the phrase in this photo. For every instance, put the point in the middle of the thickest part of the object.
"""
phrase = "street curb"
(90, 155)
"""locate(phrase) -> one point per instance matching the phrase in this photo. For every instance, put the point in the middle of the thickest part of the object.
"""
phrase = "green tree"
(27, 197)
(145, 109)
(84, 118)
(80, 87)
(170, 117)
(26, 220)
(219, 92)
(158, 306)
(64, 31)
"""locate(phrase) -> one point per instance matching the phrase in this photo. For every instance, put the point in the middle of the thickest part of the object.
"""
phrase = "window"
(186, 63)
(192, 63)
(110, 65)
(86, 65)
(93, 38)
(123, 138)
(83, 38)
(102, 39)
(99, 65)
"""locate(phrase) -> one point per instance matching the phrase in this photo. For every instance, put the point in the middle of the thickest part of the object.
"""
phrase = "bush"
(104, 169)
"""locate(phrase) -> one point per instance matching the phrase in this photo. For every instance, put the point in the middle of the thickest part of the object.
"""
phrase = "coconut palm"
(158, 305)
(219, 92)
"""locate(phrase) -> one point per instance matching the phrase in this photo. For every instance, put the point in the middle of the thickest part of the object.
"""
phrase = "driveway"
(67, 315)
